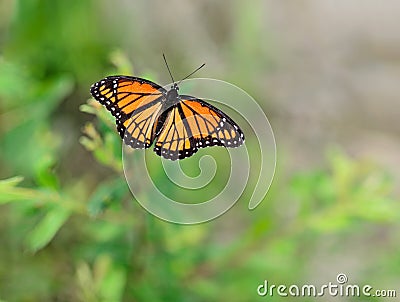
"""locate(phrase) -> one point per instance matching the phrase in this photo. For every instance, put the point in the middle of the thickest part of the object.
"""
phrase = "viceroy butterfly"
(179, 124)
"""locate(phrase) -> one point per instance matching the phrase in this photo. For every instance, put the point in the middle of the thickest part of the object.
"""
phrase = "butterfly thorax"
(172, 95)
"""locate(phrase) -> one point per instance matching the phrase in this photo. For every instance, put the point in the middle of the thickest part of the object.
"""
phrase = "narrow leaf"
(47, 228)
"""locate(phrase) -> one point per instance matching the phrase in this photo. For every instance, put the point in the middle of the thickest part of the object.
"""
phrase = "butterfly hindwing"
(138, 130)
(135, 102)
(173, 141)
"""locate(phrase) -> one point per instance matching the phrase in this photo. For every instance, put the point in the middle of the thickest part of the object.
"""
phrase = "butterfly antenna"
(165, 60)
(196, 70)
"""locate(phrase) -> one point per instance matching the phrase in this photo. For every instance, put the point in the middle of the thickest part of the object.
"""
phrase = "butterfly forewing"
(210, 126)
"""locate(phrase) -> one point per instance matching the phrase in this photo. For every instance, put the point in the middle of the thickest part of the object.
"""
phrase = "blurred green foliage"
(70, 229)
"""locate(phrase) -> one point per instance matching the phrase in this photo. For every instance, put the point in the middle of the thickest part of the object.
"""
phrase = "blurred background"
(325, 73)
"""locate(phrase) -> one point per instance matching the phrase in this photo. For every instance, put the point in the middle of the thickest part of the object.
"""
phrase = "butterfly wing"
(192, 124)
(136, 105)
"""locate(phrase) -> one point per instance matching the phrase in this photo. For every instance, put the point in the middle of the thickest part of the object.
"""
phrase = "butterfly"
(179, 125)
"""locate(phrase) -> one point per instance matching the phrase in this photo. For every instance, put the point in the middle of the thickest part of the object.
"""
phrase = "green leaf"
(105, 195)
(9, 191)
(47, 228)
(110, 277)
(10, 182)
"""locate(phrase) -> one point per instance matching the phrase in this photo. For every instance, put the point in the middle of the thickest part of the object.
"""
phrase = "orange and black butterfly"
(179, 124)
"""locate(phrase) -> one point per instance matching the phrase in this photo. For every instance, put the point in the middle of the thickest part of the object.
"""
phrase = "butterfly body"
(178, 124)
